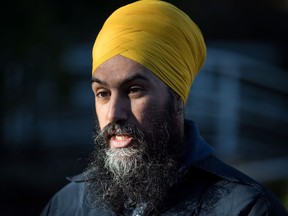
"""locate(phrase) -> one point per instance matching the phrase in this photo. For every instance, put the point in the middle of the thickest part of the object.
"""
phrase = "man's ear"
(179, 104)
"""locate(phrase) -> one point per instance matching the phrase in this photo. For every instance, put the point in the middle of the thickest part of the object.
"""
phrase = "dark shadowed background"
(239, 99)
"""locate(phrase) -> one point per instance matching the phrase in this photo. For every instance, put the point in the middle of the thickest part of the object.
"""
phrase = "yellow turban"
(157, 35)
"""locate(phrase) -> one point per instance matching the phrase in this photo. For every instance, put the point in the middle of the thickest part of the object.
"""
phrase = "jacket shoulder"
(237, 192)
(65, 201)
(72, 199)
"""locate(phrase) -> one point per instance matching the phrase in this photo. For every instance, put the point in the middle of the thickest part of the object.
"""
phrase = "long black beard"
(140, 174)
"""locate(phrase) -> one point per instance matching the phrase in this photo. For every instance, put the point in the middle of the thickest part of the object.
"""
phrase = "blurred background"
(239, 99)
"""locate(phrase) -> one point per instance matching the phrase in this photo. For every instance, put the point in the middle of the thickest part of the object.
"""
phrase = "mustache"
(120, 128)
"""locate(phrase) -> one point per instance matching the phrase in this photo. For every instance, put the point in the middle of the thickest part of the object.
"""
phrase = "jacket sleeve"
(46, 210)
(265, 205)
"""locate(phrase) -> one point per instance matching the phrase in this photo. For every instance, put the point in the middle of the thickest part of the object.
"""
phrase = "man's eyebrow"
(135, 77)
(94, 79)
(127, 80)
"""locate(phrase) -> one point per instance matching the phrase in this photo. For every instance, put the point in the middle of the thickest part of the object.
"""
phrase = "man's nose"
(118, 108)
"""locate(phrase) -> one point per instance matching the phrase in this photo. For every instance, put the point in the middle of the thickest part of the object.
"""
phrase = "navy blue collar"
(197, 148)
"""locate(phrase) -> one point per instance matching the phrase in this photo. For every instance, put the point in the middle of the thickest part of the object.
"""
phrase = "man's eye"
(102, 94)
(134, 90)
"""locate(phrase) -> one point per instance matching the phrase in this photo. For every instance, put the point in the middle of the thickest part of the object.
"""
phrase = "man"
(148, 159)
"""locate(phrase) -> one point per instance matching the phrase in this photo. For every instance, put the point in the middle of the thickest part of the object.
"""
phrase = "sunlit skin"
(126, 90)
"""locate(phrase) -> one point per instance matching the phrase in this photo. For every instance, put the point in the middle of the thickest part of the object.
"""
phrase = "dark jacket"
(209, 188)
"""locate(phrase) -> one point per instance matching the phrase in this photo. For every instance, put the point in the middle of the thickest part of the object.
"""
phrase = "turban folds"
(157, 35)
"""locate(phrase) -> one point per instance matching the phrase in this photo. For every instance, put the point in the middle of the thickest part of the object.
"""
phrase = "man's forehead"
(123, 69)
(119, 63)
(128, 79)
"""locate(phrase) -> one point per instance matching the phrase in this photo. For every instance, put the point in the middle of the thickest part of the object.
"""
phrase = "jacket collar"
(200, 155)
(197, 148)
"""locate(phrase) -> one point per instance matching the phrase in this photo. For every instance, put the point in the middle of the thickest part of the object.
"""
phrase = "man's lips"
(120, 141)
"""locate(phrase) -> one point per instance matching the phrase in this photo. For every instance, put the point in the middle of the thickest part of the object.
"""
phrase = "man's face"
(126, 91)
(139, 138)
